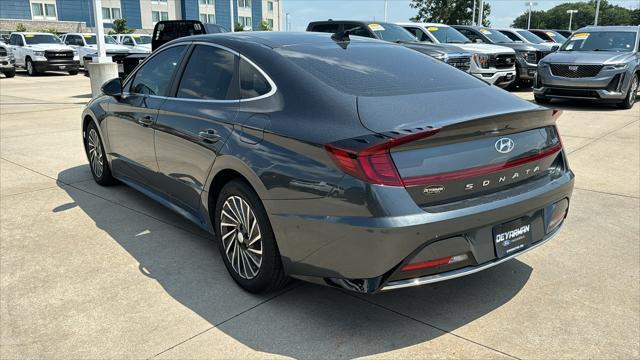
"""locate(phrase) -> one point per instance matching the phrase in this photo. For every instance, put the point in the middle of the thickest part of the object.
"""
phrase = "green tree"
(20, 27)
(120, 27)
(449, 11)
(557, 17)
(238, 27)
(264, 25)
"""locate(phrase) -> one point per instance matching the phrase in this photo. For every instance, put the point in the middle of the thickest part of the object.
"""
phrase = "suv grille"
(58, 55)
(502, 61)
(3, 52)
(575, 71)
(462, 63)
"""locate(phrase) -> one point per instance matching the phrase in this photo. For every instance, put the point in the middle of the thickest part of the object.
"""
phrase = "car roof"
(508, 29)
(628, 28)
(33, 33)
(272, 39)
(422, 24)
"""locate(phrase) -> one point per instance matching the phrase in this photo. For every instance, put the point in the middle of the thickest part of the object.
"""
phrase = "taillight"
(373, 163)
(433, 263)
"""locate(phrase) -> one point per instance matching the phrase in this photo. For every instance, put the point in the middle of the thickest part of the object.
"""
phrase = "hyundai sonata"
(348, 162)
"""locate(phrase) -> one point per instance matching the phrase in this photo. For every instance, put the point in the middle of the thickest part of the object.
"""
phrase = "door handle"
(146, 120)
(209, 135)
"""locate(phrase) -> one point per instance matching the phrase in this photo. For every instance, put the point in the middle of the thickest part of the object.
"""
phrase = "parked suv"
(139, 43)
(596, 63)
(550, 36)
(527, 55)
(40, 52)
(481, 64)
(449, 54)
(86, 46)
(527, 37)
(7, 61)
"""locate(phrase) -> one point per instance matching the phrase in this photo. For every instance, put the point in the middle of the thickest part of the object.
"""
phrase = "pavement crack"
(427, 324)
(607, 193)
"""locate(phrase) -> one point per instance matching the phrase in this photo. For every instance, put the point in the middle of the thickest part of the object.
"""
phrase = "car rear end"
(447, 179)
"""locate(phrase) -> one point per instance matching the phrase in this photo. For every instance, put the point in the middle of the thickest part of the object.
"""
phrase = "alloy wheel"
(29, 67)
(95, 153)
(241, 237)
(633, 90)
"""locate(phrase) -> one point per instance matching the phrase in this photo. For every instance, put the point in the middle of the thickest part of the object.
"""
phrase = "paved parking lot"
(91, 272)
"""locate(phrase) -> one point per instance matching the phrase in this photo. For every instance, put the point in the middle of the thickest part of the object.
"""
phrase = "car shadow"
(23, 73)
(304, 320)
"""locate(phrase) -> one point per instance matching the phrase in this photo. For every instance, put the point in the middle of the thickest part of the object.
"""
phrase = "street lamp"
(385, 10)
(233, 20)
(473, 17)
(595, 22)
(571, 12)
(480, 14)
(530, 4)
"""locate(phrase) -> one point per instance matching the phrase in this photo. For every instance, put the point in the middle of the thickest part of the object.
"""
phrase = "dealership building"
(78, 15)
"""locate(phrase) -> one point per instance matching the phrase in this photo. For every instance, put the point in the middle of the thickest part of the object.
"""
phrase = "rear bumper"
(365, 254)
(606, 86)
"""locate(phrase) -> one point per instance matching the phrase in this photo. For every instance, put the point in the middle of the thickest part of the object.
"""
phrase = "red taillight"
(434, 263)
(373, 164)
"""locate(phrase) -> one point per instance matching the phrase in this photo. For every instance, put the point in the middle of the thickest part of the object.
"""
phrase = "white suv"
(482, 65)
(137, 43)
(40, 52)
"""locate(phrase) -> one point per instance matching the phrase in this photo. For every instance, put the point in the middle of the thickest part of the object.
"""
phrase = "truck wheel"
(632, 93)
(73, 72)
(31, 70)
(541, 100)
(10, 73)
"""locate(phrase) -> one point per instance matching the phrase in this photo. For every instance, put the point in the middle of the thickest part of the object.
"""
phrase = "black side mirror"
(555, 48)
(112, 87)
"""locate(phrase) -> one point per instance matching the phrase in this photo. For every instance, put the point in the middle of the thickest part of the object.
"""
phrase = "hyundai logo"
(504, 145)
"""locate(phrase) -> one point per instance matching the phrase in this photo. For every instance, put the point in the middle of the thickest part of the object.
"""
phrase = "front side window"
(208, 75)
(128, 41)
(74, 40)
(419, 34)
(252, 83)
(471, 35)
(92, 40)
(601, 41)
(154, 77)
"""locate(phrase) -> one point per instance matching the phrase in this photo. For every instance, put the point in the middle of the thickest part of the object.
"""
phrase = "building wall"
(139, 12)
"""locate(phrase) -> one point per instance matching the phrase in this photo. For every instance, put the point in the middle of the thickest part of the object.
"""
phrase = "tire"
(73, 72)
(95, 153)
(632, 93)
(10, 73)
(31, 70)
(246, 241)
(541, 100)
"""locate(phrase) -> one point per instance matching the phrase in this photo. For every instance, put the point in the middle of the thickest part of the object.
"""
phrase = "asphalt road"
(92, 272)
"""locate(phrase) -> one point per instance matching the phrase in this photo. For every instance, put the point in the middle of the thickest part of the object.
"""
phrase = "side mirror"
(555, 48)
(112, 87)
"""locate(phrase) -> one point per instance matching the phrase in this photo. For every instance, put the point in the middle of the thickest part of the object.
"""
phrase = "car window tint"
(128, 41)
(357, 30)
(208, 75)
(252, 83)
(326, 28)
(470, 35)
(511, 35)
(419, 34)
(154, 76)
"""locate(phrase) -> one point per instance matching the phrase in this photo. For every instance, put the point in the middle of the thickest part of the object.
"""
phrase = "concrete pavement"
(93, 272)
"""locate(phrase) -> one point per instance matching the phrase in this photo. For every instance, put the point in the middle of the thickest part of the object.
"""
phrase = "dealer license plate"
(512, 237)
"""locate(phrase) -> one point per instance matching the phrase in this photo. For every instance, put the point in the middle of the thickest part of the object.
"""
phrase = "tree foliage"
(264, 25)
(20, 27)
(120, 27)
(557, 17)
(454, 12)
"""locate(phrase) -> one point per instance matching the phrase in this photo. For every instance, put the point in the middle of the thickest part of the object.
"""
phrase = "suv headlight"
(441, 57)
(615, 66)
(528, 56)
(38, 53)
(482, 60)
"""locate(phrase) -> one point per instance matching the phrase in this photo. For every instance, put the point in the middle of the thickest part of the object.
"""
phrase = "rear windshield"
(373, 69)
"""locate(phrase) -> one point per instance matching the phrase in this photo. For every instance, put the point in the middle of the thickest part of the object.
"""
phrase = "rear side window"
(511, 35)
(419, 34)
(208, 75)
(154, 78)
(252, 83)
(377, 69)
(325, 28)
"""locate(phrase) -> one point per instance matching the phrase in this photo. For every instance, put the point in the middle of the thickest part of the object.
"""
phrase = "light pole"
(97, 14)
(571, 12)
(595, 22)
(473, 17)
(481, 11)
(233, 21)
(530, 4)
(385, 10)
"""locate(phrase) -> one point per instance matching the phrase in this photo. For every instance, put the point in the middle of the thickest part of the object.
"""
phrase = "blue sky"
(304, 11)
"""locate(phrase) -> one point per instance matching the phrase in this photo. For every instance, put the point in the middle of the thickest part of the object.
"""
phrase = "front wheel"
(632, 93)
(246, 241)
(31, 69)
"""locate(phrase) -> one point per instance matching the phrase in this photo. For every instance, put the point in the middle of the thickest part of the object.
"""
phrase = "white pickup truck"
(40, 52)
(7, 61)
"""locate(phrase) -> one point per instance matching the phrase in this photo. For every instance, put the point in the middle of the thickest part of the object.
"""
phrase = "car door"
(17, 47)
(195, 122)
(132, 117)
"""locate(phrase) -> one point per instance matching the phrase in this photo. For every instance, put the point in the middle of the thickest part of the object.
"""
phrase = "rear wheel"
(632, 93)
(541, 100)
(31, 69)
(246, 240)
(96, 155)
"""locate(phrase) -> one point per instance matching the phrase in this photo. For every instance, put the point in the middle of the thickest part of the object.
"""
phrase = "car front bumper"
(608, 85)
(67, 65)
(366, 254)
(7, 63)
(497, 77)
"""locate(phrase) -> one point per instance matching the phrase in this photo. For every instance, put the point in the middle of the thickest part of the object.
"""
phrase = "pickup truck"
(86, 46)
(7, 61)
(40, 52)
